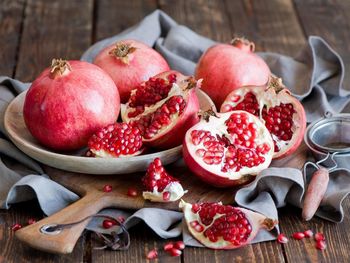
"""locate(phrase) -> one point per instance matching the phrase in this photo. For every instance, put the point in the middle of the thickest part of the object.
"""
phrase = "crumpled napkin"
(315, 77)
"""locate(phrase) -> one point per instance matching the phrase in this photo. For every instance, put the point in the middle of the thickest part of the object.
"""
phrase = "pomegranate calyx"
(192, 83)
(269, 223)
(59, 67)
(205, 115)
(122, 51)
(243, 44)
(276, 84)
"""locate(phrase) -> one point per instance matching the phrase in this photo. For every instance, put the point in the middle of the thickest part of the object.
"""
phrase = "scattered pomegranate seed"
(132, 192)
(281, 238)
(168, 246)
(179, 245)
(121, 219)
(31, 221)
(16, 227)
(321, 244)
(107, 188)
(319, 237)
(298, 235)
(308, 233)
(108, 223)
(166, 196)
(152, 254)
(174, 252)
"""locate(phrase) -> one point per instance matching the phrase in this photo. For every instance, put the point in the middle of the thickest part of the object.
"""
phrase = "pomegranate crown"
(243, 43)
(205, 115)
(276, 84)
(121, 51)
(59, 67)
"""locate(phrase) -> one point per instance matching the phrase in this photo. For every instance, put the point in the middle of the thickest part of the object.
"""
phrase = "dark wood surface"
(34, 31)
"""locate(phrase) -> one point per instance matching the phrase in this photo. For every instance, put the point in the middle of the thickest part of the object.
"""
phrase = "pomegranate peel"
(283, 115)
(224, 226)
(157, 182)
(228, 149)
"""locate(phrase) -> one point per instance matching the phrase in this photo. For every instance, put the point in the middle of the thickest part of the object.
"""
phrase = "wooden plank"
(205, 17)
(11, 17)
(142, 241)
(53, 29)
(13, 251)
(111, 17)
(272, 25)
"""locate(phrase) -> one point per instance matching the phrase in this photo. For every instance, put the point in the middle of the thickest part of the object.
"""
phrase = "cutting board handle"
(64, 241)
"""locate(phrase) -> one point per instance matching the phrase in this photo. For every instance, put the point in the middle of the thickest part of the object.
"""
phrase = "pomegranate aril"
(152, 254)
(121, 219)
(175, 252)
(31, 221)
(132, 192)
(319, 237)
(107, 188)
(168, 246)
(321, 245)
(16, 227)
(166, 196)
(308, 233)
(281, 238)
(179, 245)
(108, 223)
(298, 235)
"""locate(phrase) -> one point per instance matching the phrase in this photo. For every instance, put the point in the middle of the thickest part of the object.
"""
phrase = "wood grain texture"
(53, 29)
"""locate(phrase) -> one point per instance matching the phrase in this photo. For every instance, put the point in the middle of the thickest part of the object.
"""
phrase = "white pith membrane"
(174, 189)
(269, 98)
(217, 126)
(256, 220)
(105, 154)
(179, 88)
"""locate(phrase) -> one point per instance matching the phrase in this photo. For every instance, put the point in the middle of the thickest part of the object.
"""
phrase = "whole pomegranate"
(163, 108)
(68, 102)
(283, 115)
(225, 67)
(129, 63)
(221, 226)
(227, 149)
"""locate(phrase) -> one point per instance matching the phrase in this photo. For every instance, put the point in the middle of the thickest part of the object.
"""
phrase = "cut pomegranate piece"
(228, 149)
(283, 115)
(159, 185)
(116, 140)
(224, 226)
(163, 108)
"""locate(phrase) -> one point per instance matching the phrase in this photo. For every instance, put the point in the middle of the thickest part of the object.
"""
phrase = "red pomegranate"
(227, 149)
(221, 226)
(129, 63)
(163, 108)
(68, 102)
(224, 68)
(283, 115)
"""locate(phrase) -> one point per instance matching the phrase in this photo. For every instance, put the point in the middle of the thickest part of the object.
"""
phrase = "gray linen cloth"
(315, 77)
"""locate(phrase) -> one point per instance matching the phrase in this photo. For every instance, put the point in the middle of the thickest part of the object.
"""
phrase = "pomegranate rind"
(175, 190)
(256, 220)
(271, 98)
(212, 174)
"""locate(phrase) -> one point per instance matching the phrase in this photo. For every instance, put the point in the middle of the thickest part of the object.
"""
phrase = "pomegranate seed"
(319, 237)
(121, 219)
(166, 196)
(281, 238)
(16, 227)
(107, 188)
(298, 235)
(168, 246)
(195, 208)
(175, 252)
(31, 221)
(132, 192)
(308, 233)
(152, 254)
(321, 244)
(179, 245)
(108, 223)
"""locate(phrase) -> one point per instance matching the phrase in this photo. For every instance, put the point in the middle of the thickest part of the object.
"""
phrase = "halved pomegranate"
(116, 140)
(283, 115)
(163, 108)
(221, 226)
(161, 186)
(227, 149)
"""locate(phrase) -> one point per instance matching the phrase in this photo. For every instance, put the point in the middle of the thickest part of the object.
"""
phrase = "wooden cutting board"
(89, 187)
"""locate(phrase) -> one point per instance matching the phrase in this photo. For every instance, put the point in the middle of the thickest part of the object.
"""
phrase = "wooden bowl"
(22, 138)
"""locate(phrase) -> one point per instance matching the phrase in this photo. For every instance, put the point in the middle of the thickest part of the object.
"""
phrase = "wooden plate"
(21, 137)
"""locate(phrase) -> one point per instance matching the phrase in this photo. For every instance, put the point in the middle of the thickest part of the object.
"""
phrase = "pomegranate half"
(221, 226)
(68, 102)
(130, 62)
(163, 108)
(225, 67)
(228, 149)
(283, 114)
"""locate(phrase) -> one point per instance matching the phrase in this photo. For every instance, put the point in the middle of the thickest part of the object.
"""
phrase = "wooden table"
(32, 32)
